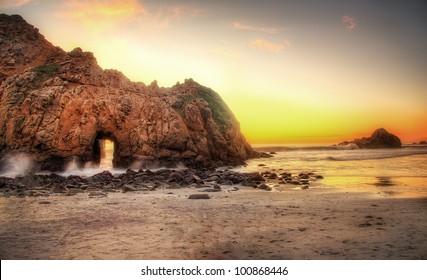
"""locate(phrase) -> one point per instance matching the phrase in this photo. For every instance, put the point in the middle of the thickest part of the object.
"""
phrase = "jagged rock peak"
(57, 106)
(22, 46)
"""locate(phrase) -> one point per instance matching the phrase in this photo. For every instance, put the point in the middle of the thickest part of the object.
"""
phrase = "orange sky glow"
(290, 72)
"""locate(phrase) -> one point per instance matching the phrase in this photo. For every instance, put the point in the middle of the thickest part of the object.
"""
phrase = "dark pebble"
(199, 196)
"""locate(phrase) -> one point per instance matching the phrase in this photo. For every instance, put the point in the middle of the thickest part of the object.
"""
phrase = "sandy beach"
(323, 223)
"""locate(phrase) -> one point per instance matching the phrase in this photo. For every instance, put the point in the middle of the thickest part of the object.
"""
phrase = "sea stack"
(57, 105)
(381, 138)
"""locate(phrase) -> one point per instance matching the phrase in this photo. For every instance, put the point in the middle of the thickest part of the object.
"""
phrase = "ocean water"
(394, 172)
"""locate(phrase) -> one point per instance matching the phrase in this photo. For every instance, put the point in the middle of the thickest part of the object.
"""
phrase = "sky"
(304, 71)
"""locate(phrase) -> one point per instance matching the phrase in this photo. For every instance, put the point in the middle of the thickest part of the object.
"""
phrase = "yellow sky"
(291, 73)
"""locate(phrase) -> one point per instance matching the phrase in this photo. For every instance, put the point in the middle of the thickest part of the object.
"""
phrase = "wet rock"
(226, 183)
(199, 196)
(128, 188)
(130, 172)
(142, 188)
(192, 178)
(196, 186)
(264, 187)
(212, 178)
(75, 180)
(93, 187)
(295, 182)
(55, 178)
(108, 190)
(211, 190)
(366, 224)
(272, 176)
(246, 183)
(103, 177)
(44, 202)
(149, 173)
(38, 193)
(319, 177)
(254, 177)
(75, 191)
(175, 177)
(303, 176)
(59, 189)
(97, 194)
(173, 186)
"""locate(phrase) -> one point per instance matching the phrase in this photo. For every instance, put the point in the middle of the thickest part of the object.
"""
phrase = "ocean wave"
(332, 153)
(294, 148)
(369, 156)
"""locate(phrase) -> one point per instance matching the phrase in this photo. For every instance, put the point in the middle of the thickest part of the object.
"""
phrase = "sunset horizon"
(213, 138)
(291, 73)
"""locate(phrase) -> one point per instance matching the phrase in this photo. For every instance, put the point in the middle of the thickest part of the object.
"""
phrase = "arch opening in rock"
(105, 151)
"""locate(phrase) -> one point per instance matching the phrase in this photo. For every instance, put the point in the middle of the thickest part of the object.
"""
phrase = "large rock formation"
(56, 105)
(378, 140)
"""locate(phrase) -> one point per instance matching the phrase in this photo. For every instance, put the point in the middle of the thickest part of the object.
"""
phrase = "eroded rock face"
(56, 105)
(379, 139)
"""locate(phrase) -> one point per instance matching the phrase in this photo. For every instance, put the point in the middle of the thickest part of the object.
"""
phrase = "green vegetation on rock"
(220, 112)
(48, 69)
(45, 71)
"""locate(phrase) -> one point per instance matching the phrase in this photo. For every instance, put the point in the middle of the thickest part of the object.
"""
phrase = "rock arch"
(98, 149)
(55, 106)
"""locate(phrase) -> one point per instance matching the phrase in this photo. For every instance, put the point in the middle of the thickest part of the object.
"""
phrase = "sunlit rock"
(58, 106)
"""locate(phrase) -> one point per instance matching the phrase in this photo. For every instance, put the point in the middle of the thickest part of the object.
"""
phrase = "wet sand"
(245, 224)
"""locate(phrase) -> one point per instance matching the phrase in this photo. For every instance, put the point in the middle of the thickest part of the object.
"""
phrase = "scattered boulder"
(199, 196)
(44, 202)
(146, 180)
(380, 139)
(59, 189)
(128, 188)
(173, 186)
(265, 187)
(97, 194)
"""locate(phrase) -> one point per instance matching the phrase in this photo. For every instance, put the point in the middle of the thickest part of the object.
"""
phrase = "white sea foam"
(15, 165)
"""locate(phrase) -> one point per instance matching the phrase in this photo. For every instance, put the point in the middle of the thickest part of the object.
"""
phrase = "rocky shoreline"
(201, 180)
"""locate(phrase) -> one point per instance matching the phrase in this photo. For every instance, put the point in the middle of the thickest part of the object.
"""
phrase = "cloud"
(5, 4)
(95, 13)
(241, 26)
(102, 14)
(224, 53)
(349, 22)
(181, 12)
(266, 46)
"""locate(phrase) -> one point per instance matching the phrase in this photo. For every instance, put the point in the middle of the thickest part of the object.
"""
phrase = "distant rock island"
(55, 106)
(381, 138)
